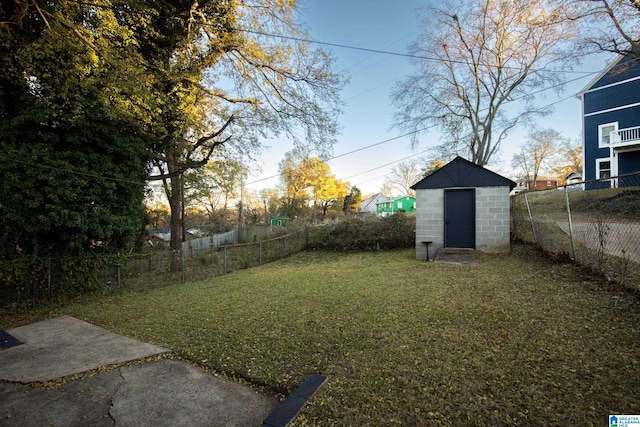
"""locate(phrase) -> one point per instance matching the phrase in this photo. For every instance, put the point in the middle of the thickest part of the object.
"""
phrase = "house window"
(604, 134)
(399, 205)
(603, 168)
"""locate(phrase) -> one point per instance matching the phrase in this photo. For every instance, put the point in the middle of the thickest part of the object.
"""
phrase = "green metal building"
(396, 204)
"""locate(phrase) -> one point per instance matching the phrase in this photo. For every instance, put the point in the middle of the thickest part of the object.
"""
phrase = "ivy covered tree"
(73, 159)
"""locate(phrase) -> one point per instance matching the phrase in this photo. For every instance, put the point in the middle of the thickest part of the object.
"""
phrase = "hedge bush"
(396, 231)
(28, 281)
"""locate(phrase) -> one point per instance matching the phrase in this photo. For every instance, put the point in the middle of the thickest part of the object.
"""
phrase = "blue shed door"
(460, 218)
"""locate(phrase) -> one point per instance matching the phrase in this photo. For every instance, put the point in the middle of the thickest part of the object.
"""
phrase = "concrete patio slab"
(163, 392)
(64, 346)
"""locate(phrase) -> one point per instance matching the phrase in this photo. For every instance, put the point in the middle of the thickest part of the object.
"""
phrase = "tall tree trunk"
(315, 210)
(175, 205)
(183, 226)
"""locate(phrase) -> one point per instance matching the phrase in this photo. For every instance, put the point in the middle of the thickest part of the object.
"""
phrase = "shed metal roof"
(462, 173)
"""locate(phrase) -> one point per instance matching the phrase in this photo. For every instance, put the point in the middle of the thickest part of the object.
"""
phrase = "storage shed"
(462, 205)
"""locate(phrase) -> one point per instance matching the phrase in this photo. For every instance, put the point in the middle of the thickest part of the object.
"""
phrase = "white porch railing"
(623, 137)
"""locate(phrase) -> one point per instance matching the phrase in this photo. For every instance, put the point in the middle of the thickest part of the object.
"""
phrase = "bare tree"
(536, 153)
(573, 155)
(473, 58)
(213, 186)
(386, 190)
(609, 25)
(403, 176)
(570, 158)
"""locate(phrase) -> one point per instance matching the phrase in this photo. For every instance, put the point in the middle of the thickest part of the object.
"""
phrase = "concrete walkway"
(164, 392)
(453, 256)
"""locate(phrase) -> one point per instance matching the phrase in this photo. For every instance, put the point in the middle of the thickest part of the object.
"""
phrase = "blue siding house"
(611, 123)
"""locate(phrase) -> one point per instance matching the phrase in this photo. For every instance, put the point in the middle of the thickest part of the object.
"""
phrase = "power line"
(72, 172)
(372, 55)
(553, 87)
(387, 52)
(356, 150)
(432, 126)
(382, 142)
(371, 89)
(388, 164)
(424, 152)
(344, 46)
(323, 43)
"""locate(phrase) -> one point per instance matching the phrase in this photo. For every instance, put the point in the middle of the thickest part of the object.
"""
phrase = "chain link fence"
(596, 224)
(28, 282)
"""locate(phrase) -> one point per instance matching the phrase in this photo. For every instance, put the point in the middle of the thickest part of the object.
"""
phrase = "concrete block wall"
(429, 221)
(492, 220)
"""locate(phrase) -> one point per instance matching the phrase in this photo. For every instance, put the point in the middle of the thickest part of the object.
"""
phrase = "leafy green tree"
(157, 215)
(192, 75)
(270, 201)
(296, 173)
(309, 180)
(213, 186)
(352, 200)
(330, 193)
(74, 149)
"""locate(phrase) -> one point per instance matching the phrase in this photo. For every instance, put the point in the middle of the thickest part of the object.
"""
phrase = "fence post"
(260, 254)
(573, 245)
(285, 247)
(49, 276)
(118, 270)
(182, 265)
(533, 229)
(224, 265)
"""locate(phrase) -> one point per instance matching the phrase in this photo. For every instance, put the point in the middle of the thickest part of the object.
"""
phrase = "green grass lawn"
(510, 340)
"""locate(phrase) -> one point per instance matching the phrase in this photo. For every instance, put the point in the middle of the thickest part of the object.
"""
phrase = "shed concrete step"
(457, 250)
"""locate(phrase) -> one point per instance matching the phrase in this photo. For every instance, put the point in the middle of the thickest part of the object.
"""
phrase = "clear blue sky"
(368, 114)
